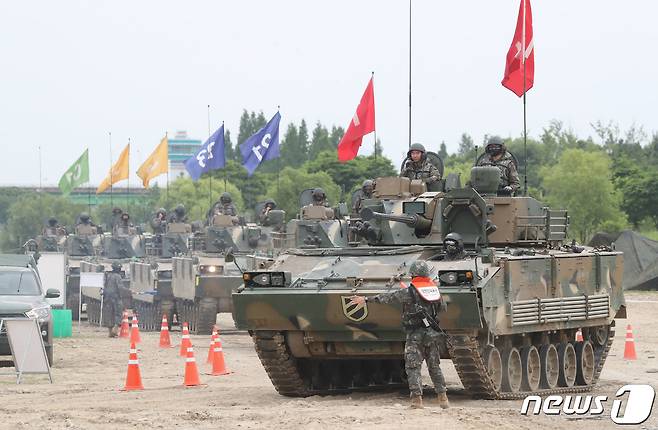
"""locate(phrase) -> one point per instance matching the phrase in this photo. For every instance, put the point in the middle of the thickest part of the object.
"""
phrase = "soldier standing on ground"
(420, 308)
(112, 296)
(417, 166)
(497, 155)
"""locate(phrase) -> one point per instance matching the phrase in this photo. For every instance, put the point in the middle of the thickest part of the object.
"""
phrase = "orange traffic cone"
(185, 341)
(134, 331)
(125, 330)
(134, 377)
(211, 354)
(191, 371)
(165, 340)
(629, 348)
(218, 363)
(579, 335)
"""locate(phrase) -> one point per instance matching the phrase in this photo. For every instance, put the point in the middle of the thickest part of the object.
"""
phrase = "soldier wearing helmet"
(125, 227)
(159, 221)
(497, 155)
(112, 296)
(52, 228)
(319, 198)
(364, 193)
(178, 215)
(264, 213)
(85, 226)
(224, 206)
(453, 245)
(421, 304)
(417, 166)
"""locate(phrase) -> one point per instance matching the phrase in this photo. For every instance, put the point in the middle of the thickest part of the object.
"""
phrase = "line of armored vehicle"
(515, 297)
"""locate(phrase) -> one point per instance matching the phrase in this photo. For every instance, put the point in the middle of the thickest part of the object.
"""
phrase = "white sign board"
(52, 271)
(27, 347)
(93, 280)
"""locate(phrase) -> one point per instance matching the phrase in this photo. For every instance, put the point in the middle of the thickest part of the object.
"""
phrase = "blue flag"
(263, 145)
(209, 157)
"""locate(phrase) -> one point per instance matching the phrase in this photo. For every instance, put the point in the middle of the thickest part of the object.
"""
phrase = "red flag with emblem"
(363, 122)
(521, 54)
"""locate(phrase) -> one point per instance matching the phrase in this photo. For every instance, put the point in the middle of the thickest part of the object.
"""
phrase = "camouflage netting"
(640, 258)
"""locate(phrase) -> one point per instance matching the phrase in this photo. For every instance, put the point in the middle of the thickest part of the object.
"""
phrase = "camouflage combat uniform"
(508, 174)
(112, 296)
(421, 343)
(359, 197)
(224, 209)
(422, 169)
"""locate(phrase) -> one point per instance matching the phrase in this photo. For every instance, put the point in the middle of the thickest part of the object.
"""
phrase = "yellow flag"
(156, 164)
(118, 172)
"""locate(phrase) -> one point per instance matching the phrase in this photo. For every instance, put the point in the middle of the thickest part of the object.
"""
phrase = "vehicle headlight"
(40, 314)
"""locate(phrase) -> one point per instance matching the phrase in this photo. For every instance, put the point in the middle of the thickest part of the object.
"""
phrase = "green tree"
(378, 151)
(466, 145)
(229, 150)
(249, 187)
(292, 182)
(294, 151)
(336, 135)
(581, 183)
(198, 197)
(319, 141)
(443, 151)
(28, 214)
(350, 175)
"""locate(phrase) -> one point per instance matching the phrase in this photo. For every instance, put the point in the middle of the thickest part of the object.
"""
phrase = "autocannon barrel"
(418, 222)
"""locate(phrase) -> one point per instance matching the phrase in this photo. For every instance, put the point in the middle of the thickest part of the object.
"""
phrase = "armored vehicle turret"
(515, 296)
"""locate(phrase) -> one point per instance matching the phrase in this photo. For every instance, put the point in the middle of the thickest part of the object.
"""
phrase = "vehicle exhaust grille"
(579, 308)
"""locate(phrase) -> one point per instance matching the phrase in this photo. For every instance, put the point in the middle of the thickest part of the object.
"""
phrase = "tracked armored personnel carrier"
(514, 300)
(150, 279)
(120, 247)
(202, 281)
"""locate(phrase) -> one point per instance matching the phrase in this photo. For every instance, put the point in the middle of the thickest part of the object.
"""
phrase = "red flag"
(363, 122)
(521, 53)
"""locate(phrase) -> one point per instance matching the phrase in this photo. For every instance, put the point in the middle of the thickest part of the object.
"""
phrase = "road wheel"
(567, 359)
(585, 360)
(531, 366)
(550, 366)
(512, 370)
(494, 366)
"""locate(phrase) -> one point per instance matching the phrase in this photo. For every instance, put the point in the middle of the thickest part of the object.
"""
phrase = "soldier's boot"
(416, 401)
(443, 400)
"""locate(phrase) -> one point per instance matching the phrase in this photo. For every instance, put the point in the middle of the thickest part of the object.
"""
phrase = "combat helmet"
(318, 194)
(116, 266)
(368, 183)
(52, 221)
(179, 210)
(416, 147)
(225, 198)
(84, 217)
(453, 243)
(419, 268)
(495, 146)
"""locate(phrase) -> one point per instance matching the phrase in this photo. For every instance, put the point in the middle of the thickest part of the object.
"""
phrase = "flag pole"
(375, 130)
(410, 73)
(111, 171)
(167, 173)
(225, 160)
(128, 184)
(525, 131)
(278, 164)
(210, 175)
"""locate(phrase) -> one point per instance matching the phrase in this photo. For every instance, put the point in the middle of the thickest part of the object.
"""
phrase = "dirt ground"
(90, 370)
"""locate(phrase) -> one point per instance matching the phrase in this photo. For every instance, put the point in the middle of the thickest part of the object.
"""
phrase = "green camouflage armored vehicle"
(514, 300)
(202, 282)
(150, 280)
(123, 246)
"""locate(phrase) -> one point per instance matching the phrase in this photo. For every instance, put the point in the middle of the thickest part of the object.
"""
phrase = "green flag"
(77, 174)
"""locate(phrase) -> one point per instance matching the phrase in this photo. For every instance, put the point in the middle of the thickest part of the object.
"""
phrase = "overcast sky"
(70, 71)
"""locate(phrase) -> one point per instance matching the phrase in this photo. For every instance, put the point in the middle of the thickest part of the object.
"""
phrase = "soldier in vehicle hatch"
(53, 228)
(263, 217)
(85, 226)
(421, 303)
(319, 199)
(453, 245)
(497, 155)
(224, 206)
(417, 166)
(159, 222)
(364, 193)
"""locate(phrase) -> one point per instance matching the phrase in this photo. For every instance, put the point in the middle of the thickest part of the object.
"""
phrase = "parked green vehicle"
(515, 298)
